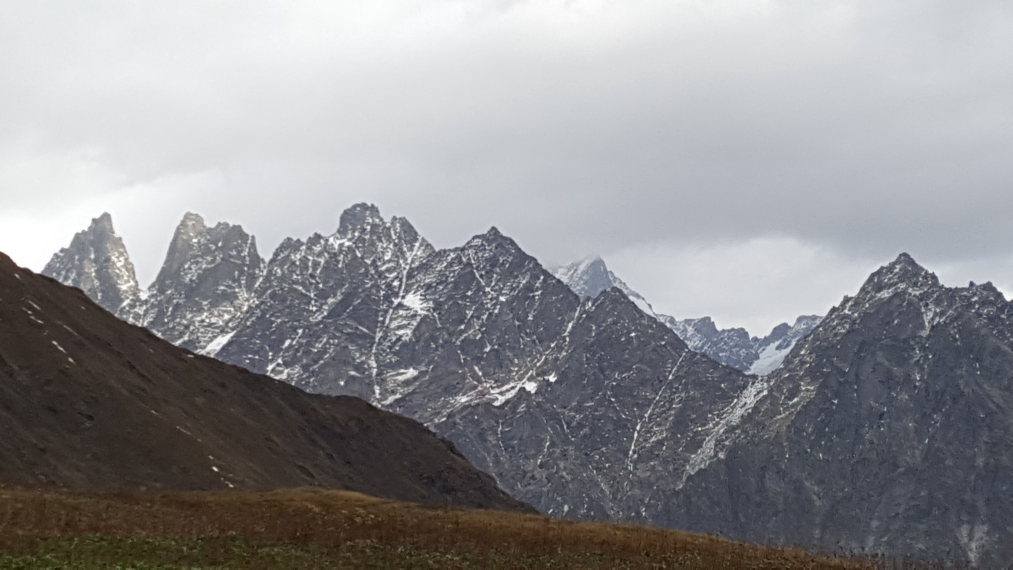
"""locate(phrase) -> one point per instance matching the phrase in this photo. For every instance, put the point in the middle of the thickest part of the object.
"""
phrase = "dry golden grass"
(317, 528)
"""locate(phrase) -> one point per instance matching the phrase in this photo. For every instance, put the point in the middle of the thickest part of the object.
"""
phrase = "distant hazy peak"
(590, 276)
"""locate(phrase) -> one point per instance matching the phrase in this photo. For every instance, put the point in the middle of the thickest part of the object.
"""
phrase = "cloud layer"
(808, 141)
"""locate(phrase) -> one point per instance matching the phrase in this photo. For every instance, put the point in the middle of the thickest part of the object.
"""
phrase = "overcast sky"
(751, 160)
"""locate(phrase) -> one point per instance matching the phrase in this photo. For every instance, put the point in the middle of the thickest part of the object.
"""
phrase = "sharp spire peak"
(103, 222)
(903, 270)
(358, 216)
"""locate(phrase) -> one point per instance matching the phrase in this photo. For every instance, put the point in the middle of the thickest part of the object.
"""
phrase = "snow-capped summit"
(96, 261)
(590, 276)
(903, 272)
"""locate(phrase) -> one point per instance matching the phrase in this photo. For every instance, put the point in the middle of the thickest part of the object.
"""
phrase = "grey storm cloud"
(654, 132)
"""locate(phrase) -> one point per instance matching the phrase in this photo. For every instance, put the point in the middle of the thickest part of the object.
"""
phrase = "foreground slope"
(890, 428)
(90, 402)
(303, 528)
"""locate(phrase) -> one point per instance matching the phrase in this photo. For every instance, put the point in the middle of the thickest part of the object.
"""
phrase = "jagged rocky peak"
(208, 277)
(903, 272)
(703, 335)
(329, 308)
(359, 217)
(493, 239)
(194, 243)
(97, 262)
(492, 249)
(702, 326)
(983, 291)
(496, 260)
(183, 243)
(103, 224)
(363, 226)
(493, 236)
(904, 288)
(193, 220)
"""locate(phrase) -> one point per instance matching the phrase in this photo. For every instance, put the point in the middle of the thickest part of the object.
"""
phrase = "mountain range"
(885, 429)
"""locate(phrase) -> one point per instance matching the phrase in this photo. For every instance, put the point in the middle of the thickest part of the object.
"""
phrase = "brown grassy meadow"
(309, 528)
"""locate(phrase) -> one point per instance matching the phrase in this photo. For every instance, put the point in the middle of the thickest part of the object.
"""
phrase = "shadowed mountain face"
(90, 402)
(732, 347)
(888, 428)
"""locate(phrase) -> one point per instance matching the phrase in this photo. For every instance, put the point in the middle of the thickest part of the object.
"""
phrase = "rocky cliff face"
(887, 429)
(606, 422)
(733, 346)
(208, 279)
(96, 262)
